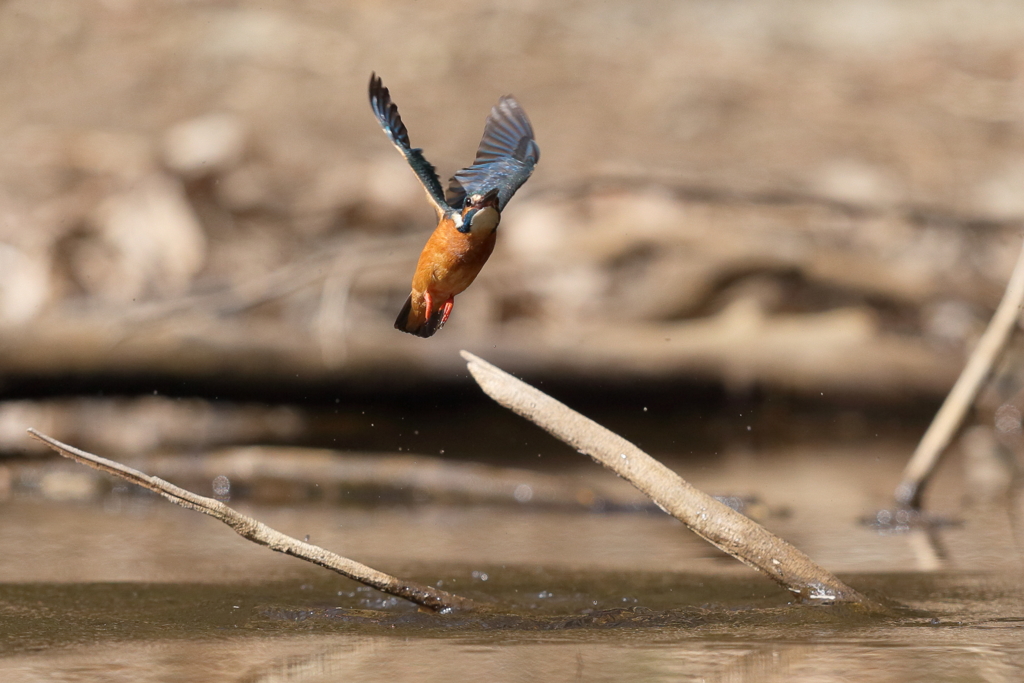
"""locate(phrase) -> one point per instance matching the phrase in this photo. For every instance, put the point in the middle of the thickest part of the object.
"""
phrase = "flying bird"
(467, 214)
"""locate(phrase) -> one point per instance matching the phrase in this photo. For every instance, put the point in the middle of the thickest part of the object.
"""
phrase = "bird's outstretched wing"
(505, 159)
(387, 114)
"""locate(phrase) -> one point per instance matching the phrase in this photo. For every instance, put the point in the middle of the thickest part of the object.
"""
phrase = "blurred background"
(778, 209)
(761, 241)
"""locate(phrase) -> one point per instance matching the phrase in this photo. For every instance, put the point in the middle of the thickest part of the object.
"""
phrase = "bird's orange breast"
(451, 260)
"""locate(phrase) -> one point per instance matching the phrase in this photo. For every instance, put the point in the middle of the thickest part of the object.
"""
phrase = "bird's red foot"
(429, 302)
(447, 309)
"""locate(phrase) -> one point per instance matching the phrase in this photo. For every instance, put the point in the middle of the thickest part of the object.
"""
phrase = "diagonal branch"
(960, 398)
(713, 521)
(257, 532)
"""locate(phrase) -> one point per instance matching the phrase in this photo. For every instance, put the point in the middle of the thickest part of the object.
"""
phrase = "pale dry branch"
(960, 398)
(257, 532)
(710, 519)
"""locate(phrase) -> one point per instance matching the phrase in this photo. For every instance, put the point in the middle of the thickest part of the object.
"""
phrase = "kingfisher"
(468, 214)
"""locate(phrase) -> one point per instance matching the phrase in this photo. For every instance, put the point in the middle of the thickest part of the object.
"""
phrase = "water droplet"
(221, 485)
(523, 493)
(1008, 419)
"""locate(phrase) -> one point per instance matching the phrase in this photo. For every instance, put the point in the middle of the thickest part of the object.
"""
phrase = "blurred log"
(832, 351)
(143, 425)
(840, 350)
(339, 475)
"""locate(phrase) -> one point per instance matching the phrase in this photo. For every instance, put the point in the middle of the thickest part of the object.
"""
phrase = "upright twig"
(257, 532)
(951, 415)
(710, 519)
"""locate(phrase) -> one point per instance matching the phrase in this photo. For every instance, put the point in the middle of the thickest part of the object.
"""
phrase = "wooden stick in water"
(710, 519)
(257, 532)
(960, 398)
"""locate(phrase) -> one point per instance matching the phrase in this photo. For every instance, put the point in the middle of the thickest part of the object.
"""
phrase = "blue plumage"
(391, 122)
(504, 161)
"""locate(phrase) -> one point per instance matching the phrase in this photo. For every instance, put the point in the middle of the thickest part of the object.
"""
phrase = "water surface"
(132, 588)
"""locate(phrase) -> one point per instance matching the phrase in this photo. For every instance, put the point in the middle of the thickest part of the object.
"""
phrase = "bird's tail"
(414, 319)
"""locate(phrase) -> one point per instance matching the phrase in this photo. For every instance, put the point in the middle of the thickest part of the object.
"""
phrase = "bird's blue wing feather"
(505, 159)
(387, 114)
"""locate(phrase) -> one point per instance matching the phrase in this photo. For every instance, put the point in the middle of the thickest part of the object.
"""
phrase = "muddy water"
(130, 588)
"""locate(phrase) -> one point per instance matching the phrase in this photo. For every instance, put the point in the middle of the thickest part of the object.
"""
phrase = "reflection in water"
(927, 548)
(621, 657)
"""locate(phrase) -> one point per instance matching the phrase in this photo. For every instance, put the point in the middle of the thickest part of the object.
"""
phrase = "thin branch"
(710, 519)
(257, 532)
(951, 415)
